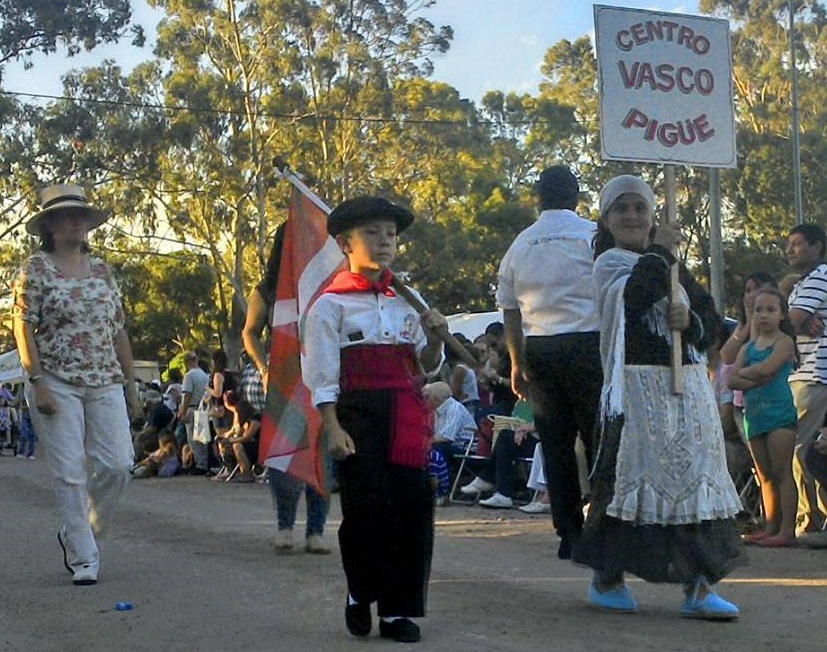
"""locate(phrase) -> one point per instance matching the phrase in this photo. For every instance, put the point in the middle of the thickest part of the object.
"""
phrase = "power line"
(293, 117)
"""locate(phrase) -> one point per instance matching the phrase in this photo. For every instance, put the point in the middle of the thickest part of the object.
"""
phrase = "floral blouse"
(75, 320)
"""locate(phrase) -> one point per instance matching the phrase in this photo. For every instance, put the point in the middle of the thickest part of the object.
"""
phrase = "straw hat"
(65, 196)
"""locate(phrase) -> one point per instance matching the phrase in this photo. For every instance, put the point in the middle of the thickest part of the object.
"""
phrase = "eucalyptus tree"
(42, 26)
(761, 187)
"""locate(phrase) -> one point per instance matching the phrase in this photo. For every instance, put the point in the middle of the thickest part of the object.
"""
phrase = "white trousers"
(89, 451)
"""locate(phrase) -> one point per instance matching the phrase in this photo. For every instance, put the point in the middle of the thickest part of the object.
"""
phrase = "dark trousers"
(565, 379)
(387, 533)
(499, 468)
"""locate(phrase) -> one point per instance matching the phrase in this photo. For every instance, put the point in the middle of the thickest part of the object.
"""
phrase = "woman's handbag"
(201, 424)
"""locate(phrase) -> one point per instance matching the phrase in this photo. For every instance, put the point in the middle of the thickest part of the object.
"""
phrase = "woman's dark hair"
(271, 271)
(760, 277)
(603, 239)
(219, 360)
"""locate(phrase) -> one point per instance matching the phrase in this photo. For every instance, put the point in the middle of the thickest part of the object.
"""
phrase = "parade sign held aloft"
(665, 87)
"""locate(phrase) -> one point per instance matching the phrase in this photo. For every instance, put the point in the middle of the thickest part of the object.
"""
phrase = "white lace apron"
(671, 464)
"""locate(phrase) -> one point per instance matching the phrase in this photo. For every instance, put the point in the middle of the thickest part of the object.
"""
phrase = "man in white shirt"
(806, 245)
(454, 426)
(194, 386)
(546, 291)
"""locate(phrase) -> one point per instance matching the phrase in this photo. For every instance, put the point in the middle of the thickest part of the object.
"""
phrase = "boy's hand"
(433, 322)
(340, 444)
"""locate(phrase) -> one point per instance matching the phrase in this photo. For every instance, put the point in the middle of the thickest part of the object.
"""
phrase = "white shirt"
(546, 274)
(195, 384)
(454, 423)
(810, 295)
(172, 396)
(337, 321)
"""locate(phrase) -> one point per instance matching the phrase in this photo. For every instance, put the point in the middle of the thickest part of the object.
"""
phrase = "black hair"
(219, 360)
(271, 270)
(557, 188)
(813, 234)
(496, 328)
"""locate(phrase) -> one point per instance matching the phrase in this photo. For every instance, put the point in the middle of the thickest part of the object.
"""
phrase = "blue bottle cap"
(123, 606)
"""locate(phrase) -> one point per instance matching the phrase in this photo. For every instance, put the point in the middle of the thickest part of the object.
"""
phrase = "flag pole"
(283, 171)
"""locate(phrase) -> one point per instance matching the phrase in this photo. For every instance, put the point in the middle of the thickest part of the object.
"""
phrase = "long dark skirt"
(655, 553)
(387, 531)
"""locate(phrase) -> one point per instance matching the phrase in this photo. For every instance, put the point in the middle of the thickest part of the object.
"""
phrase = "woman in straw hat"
(69, 327)
(663, 504)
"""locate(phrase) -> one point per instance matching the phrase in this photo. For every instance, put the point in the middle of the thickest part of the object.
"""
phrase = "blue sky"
(498, 44)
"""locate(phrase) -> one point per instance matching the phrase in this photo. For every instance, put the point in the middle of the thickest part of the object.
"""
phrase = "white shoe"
(284, 542)
(315, 545)
(85, 575)
(535, 507)
(477, 486)
(498, 501)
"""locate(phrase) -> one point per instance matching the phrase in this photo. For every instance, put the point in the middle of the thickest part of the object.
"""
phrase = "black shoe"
(65, 552)
(400, 630)
(357, 618)
(567, 544)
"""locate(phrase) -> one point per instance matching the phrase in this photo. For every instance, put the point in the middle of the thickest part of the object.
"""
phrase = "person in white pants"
(69, 328)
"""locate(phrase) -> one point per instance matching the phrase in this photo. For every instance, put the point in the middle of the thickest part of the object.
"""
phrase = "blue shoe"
(617, 600)
(711, 607)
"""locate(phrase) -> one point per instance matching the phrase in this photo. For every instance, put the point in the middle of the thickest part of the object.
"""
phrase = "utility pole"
(799, 219)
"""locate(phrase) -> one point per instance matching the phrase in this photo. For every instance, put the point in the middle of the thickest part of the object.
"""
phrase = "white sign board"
(665, 87)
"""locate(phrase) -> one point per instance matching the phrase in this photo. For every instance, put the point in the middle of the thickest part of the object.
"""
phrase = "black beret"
(356, 211)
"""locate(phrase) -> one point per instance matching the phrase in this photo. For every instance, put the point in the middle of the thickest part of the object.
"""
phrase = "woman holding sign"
(663, 504)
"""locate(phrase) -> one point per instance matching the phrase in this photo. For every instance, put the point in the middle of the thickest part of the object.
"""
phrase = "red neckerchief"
(345, 282)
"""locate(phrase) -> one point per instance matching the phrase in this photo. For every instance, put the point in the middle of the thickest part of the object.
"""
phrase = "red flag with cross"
(309, 258)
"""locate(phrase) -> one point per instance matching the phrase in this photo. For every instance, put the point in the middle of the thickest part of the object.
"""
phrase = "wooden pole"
(671, 218)
(450, 341)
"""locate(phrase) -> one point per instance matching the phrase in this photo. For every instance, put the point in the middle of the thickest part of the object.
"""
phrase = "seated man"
(498, 472)
(454, 426)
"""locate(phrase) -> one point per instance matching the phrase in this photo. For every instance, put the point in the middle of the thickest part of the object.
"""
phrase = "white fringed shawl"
(611, 271)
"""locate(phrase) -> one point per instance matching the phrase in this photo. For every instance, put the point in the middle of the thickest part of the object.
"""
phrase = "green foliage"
(181, 149)
(168, 300)
(29, 26)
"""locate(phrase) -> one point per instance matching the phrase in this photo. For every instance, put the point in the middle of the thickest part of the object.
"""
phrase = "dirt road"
(195, 558)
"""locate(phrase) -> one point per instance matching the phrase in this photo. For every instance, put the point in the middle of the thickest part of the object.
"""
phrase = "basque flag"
(291, 427)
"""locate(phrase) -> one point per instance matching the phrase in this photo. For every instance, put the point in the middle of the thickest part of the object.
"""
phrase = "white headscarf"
(625, 183)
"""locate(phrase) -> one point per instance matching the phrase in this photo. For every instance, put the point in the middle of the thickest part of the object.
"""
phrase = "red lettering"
(665, 77)
(628, 79)
(662, 30)
(686, 131)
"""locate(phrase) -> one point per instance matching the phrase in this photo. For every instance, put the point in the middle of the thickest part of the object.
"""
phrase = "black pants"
(499, 468)
(387, 533)
(565, 379)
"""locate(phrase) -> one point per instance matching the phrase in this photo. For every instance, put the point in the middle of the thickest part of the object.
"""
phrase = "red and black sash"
(393, 368)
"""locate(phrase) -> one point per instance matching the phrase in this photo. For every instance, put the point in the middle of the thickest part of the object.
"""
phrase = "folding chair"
(468, 456)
